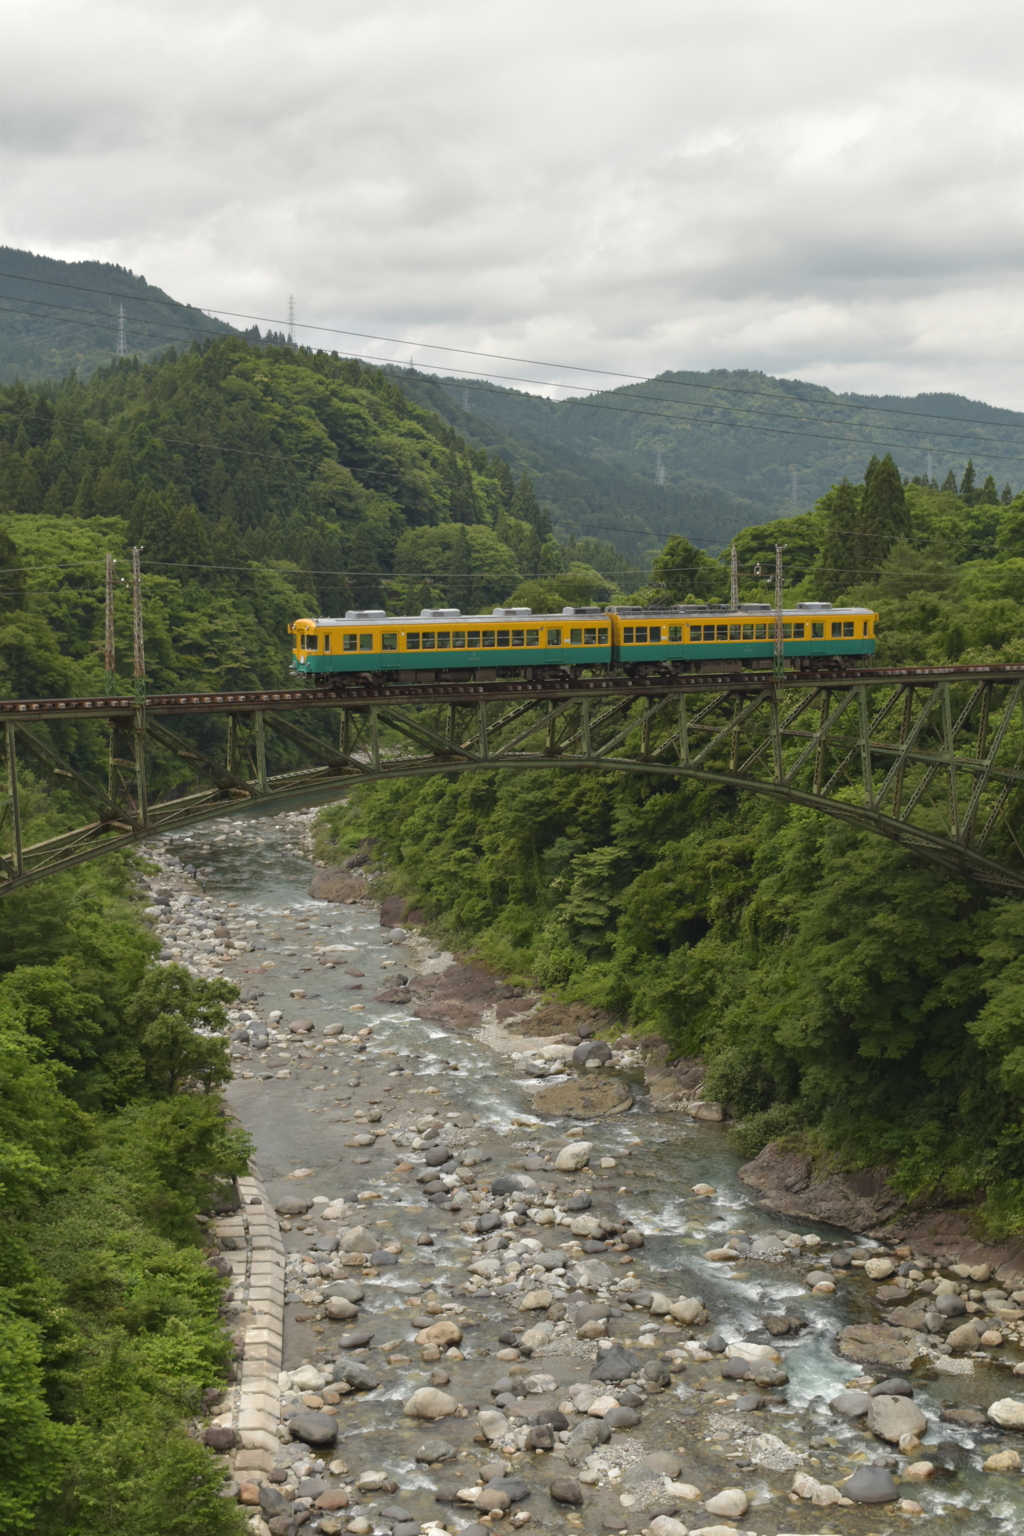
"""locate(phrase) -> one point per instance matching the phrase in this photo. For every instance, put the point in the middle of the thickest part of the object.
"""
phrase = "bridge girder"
(931, 758)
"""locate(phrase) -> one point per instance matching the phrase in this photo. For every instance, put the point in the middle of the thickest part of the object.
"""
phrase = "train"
(690, 637)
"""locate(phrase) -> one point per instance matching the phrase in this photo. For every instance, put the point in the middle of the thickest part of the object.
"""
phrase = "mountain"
(56, 316)
(728, 438)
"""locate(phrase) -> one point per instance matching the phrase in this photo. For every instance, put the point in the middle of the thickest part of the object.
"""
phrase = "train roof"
(678, 610)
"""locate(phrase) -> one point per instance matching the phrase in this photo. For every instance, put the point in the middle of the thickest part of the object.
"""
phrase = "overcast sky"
(825, 192)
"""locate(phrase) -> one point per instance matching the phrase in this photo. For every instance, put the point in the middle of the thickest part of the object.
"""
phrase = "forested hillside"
(841, 992)
(56, 316)
(263, 483)
(733, 436)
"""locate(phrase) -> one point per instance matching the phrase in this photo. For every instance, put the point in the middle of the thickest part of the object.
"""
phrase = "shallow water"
(253, 873)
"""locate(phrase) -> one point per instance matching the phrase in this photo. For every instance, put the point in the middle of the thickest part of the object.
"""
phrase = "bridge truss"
(932, 758)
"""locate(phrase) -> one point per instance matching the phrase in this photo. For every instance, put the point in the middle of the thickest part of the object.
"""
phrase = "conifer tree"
(884, 517)
(12, 576)
(837, 566)
(499, 471)
(526, 507)
(988, 496)
(364, 569)
(1007, 495)
(949, 484)
(460, 583)
(967, 484)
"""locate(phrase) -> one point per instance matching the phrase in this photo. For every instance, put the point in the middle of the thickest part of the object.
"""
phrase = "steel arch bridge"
(930, 757)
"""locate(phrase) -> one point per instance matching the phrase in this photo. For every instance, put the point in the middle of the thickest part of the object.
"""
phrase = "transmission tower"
(794, 484)
(122, 340)
(659, 471)
(929, 466)
(291, 320)
(465, 399)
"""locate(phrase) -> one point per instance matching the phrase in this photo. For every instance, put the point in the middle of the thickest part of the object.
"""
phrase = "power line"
(592, 403)
(533, 362)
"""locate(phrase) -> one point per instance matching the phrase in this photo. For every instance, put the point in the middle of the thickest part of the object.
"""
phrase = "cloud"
(829, 193)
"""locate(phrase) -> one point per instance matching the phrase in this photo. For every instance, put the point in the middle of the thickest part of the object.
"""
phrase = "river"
(305, 1096)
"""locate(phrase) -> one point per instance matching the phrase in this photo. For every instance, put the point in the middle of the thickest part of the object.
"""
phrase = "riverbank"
(420, 1181)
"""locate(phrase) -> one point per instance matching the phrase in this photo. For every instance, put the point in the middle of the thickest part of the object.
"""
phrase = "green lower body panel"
(450, 661)
(742, 650)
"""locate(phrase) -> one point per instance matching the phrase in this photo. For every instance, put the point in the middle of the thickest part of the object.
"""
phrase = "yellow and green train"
(638, 641)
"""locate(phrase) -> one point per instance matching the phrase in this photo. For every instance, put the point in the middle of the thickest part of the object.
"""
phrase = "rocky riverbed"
(517, 1293)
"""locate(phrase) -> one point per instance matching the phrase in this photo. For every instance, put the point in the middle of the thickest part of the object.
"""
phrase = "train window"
(641, 634)
(554, 637)
(412, 640)
(444, 640)
(502, 639)
(695, 632)
(533, 637)
(655, 634)
(748, 631)
(848, 629)
(837, 631)
(366, 642)
(627, 636)
(473, 639)
(575, 637)
(798, 631)
(311, 642)
(349, 642)
(602, 637)
(590, 637)
(760, 631)
(427, 641)
(459, 640)
(817, 631)
(518, 638)
(865, 626)
(389, 642)
(721, 632)
(487, 639)
(675, 633)
(787, 631)
(709, 631)
(327, 642)
(734, 632)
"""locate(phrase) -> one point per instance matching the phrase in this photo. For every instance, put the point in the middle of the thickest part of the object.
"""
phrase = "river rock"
(965, 1337)
(429, 1403)
(950, 1305)
(616, 1364)
(534, 1301)
(307, 1379)
(731, 1502)
(359, 1338)
(851, 1404)
(314, 1428)
(433, 1451)
(357, 1240)
(879, 1269)
(357, 1375)
(665, 1525)
(622, 1418)
(219, 1437)
(878, 1344)
(591, 1050)
(493, 1425)
(273, 1502)
(336, 885)
(871, 1485)
(823, 1495)
(688, 1310)
(1002, 1461)
(442, 1334)
(292, 1205)
(585, 1099)
(1008, 1413)
(893, 1417)
(565, 1490)
(350, 1289)
(339, 1308)
(574, 1156)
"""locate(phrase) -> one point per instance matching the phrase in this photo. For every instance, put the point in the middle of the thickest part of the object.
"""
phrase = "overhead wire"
(211, 311)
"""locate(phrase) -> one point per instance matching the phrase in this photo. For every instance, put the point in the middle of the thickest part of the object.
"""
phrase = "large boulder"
(429, 1403)
(574, 1156)
(890, 1418)
(616, 1364)
(586, 1098)
(878, 1344)
(1008, 1413)
(313, 1428)
(357, 1240)
(871, 1485)
(336, 885)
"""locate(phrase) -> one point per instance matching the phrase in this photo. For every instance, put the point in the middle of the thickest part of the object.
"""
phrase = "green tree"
(988, 496)
(527, 509)
(967, 492)
(168, 1010)
(949, 484)
(687, 574)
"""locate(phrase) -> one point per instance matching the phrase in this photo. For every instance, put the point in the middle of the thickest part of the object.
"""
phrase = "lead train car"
(688, 638)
